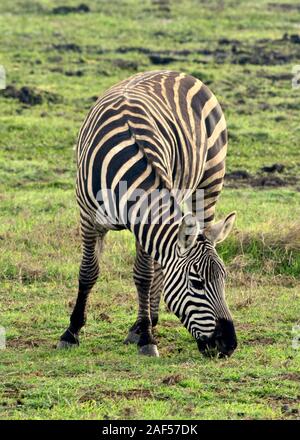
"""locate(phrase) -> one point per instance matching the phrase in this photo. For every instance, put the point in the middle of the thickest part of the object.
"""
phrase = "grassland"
(245, 51)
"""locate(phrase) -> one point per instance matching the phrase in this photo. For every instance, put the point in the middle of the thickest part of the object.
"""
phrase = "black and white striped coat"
(164, 135)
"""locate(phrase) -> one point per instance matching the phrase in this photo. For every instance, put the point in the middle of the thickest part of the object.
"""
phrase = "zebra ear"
(188, 232)
(220, 230)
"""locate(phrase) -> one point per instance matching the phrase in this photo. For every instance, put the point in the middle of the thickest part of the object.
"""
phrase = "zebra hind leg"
(88, 274)
(141, 331)
(155, 295)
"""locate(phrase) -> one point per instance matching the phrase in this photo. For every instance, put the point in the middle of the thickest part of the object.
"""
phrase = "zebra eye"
(197, 284)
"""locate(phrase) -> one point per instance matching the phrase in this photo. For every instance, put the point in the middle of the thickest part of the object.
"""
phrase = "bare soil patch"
(125, 64)
(172, 380)
(260, 340)
(266, 178)
(264, 52)
(21, 343)
(63, 10)
(68, 47)
(98, 394)
(284, 6)
(29, 96)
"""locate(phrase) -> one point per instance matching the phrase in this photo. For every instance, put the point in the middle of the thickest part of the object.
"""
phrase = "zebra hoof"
(132, 338)
(149, 350)
(68, 340)
(65, 345)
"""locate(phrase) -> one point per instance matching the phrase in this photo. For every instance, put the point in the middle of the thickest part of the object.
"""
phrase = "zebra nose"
(225, 337)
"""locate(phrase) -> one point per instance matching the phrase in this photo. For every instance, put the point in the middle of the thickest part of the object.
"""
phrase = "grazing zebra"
(162, 136)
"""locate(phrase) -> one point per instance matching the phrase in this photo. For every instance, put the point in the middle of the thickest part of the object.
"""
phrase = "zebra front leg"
(155, 293)
(88, 274)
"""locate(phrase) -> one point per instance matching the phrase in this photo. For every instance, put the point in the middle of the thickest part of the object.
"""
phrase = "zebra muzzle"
(222, 343)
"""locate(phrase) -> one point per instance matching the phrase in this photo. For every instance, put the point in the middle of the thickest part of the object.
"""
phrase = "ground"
(57, 61)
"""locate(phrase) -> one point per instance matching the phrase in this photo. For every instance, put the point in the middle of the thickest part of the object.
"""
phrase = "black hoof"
(68, 340)
(63, 345)
(132, 338)
(149, 350)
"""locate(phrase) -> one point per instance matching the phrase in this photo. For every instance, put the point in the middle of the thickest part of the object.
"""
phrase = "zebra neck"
(156, 227)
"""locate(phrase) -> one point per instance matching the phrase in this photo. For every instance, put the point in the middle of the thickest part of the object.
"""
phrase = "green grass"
(39, 235)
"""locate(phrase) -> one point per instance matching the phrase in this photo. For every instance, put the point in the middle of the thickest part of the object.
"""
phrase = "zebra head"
(195, 286)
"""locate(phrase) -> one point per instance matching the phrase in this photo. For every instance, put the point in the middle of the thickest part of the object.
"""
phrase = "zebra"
(161, 133)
